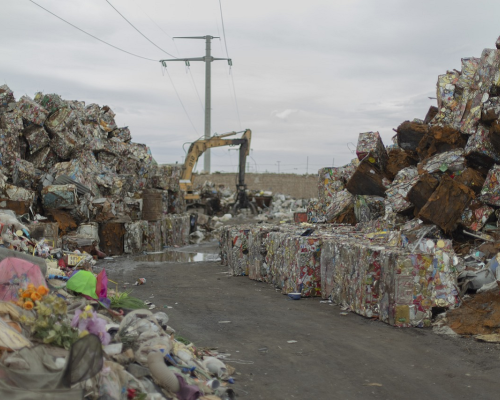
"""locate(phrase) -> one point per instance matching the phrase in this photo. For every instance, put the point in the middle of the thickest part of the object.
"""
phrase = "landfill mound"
(77, 180)
(478, 315)
(403, 230)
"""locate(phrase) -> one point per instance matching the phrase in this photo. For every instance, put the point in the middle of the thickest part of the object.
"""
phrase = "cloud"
(285, 114)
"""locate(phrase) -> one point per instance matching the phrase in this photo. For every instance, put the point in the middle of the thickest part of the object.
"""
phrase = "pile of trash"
(278, 206)
(75, 180)
(403, 229)
(85, 339)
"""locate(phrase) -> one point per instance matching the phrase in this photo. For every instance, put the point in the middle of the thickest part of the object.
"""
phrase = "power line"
(223, 29)
(235, 99)
(92, 36)
(159, 27)
(179, 97)
(145, 37)
(195, 88)
(230, 68)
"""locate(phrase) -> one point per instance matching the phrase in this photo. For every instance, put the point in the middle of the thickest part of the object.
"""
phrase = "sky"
(307, 77)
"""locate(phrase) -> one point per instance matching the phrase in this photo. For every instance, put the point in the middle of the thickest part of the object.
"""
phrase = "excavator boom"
(198, 147)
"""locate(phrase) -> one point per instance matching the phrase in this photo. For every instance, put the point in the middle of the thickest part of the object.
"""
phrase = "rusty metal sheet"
(111, 236)
(63, 219)
(19, 207)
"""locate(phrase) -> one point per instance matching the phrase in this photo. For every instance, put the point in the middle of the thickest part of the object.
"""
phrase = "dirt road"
(334, 356)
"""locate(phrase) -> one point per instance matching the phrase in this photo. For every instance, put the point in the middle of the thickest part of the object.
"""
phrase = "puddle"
(177, 256)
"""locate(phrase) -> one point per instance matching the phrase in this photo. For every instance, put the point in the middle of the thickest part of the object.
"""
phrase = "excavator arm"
(197, 149)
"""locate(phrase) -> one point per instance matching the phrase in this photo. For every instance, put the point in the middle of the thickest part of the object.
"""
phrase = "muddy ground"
(334, 356)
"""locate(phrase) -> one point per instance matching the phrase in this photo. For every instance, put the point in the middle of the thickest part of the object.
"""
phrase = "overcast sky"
(309, 76)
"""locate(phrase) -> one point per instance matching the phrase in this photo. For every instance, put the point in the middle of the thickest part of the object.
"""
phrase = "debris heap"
(79, 342)
(68, 163)
(401, 229)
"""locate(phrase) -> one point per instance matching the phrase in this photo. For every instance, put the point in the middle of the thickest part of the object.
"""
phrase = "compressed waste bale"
(108, 209)
(446, 204)
(6, 98)
(397, 191)
(31, 111)
(166, 176)
(63, 143)
(110, 184)
(135, 208)
(422, 190)
(397, 286)
(10, 149)
(330, 180)
(370, 143)
(238, 254)
(302, 266)
(59, 125)
(175, 229)
(409, 135)
(25, 174)
(475, 215)
(333, 179)
(59, 197)
(472, 179)
(37, 138)
(342, 203)
(368, 208)
(490, 193)
(449, 161)
(135, 237)
(82, 169)
(107, 119)
(463, 108)
(154, 239)
(367, 180)
(257, 239)
(43, 159)
(315, 211)
(61, 120)
(479, 150)
(51, 102)
(438, 140)
(17, 199)
(107, 159)
(122, 134)
(491, 110)
(452, 88)
(176, 202)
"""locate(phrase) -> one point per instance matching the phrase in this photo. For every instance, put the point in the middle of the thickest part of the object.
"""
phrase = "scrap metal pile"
(403, 229)
(67, 170)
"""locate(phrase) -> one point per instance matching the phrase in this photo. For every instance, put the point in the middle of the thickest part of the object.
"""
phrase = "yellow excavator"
(197, 148)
